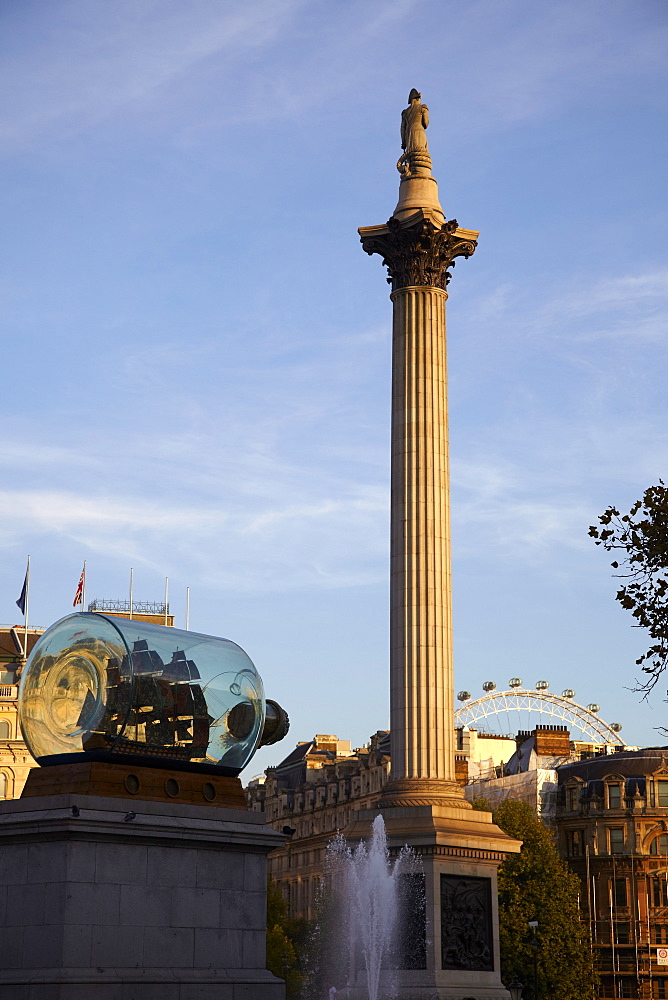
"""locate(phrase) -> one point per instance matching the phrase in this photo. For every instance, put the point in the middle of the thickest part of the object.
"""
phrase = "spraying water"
(363, 896)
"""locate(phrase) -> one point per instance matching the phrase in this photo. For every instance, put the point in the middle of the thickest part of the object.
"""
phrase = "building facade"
(310, 796)
(612, 823)
(15, 758)
(608, 806)
(316, 791)
(529, 772)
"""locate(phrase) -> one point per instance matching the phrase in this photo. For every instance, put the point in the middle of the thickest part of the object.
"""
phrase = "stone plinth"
(418, 193)
(122, 899)
(129, 780)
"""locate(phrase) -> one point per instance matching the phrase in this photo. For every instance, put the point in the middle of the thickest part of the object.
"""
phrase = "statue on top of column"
(415, 160)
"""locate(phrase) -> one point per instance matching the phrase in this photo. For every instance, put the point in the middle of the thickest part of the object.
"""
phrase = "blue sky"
(196, 349)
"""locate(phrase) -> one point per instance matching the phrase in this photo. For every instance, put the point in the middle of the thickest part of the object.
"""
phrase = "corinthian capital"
(418, 251)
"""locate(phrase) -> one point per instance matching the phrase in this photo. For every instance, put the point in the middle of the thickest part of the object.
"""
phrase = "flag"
(22, 599)
(78, 597)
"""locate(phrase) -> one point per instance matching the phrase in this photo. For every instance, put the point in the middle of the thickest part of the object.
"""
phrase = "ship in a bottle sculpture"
(115, 689)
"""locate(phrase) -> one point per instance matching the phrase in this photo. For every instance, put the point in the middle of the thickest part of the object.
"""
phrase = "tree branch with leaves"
(639, 540)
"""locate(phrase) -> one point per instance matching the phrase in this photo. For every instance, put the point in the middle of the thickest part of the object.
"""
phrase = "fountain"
(365, 896)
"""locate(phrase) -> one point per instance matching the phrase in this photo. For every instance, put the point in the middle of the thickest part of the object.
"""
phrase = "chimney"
(552, 741)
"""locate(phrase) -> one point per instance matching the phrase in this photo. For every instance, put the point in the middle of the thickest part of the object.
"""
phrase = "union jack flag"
(78, 597)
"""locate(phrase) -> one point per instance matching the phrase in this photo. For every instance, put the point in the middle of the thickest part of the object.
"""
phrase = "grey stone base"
(140, 984)
(123, 899)
(424, 987)
(432, 993)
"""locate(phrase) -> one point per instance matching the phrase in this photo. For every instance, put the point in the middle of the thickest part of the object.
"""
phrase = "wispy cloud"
(272, 528)
(527, 495)
(298, 518)
(498, 507)
(589, 308)
(45, 510)
(626, 293)
(585, 427)
(184, 67)
(93, 62)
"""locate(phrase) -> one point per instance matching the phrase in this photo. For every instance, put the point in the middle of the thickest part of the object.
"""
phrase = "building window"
(660, 891)
(660, 934)
(659, 845)
(5, 730)
(3, 785)
(572, 796)
(622, 932)
(616, 840)
(662, 793)
(614, 796)
(661, 988)
(575, 843)
(618, 886)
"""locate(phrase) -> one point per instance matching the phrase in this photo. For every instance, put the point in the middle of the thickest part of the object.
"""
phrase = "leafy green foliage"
(640, 541)
(536, 884)
(480, 803)
(285, 942)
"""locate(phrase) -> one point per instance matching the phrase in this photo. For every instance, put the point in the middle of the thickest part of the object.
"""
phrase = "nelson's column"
(454, 952)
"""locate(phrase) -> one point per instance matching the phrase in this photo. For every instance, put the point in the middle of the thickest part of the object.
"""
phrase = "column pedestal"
(123, 899)
(460, 850)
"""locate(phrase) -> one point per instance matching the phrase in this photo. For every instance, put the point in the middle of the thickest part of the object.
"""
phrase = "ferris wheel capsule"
(616, 727)
(568, 693)
(594, 707)
(463, 696)
(489, 686)
(515, 682)
(542, 685)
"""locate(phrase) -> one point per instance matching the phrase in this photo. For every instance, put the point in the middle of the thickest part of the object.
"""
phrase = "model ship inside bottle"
(114, 688)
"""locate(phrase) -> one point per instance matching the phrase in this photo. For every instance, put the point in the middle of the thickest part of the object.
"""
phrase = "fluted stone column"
(420, 579)
(418, 247)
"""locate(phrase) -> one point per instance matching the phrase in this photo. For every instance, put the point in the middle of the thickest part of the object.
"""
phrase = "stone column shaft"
(421, 668)
(418, 252)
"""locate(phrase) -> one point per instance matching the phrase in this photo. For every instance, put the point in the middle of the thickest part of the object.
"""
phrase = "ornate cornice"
(418, 253)
(446, 851)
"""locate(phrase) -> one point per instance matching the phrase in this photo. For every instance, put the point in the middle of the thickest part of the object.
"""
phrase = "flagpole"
(83, 592)
(26, 612)
(187, 609)
(131, 582)
(166, 599)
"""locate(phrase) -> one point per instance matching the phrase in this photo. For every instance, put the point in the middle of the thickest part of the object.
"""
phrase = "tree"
(640, 540)
(284, 941)
(536, 884)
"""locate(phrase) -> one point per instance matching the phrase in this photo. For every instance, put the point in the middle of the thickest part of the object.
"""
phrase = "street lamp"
(515, 990)
(533, 924)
